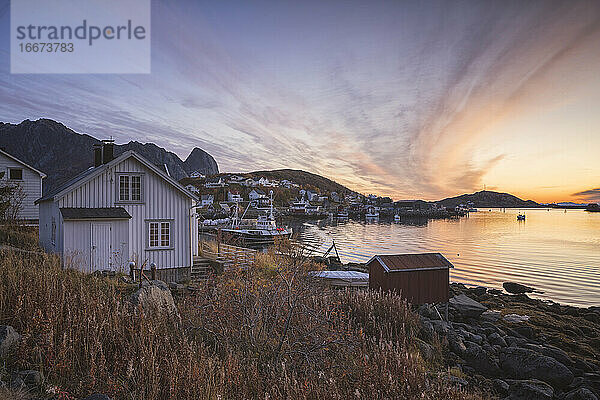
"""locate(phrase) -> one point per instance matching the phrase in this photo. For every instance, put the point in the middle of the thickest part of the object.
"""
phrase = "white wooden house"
(256, 194)
(122, 209)
(16, 172)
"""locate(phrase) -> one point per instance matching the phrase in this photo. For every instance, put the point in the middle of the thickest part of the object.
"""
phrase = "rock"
(467, 306)
(516, 318)
(97, 396)
(496, 339)
(427, 351)
(525, 330)
(581, 394)
(427, 330)
(517, 288)
(31, 377)
(490, 316)
(155, 298)
(495, 292)
(456, 345)
(441, 327)
(9, 339)
(479, 290)
(480, 360)
(459, 382)
(526, 363)
(500, 387)
(530, 390)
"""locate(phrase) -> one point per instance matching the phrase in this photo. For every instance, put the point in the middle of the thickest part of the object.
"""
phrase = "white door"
(101, 246)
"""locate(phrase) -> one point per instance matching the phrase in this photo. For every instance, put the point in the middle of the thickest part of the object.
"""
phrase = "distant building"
(197, 174)
(256, 194)
(207, 200)
(216, 184)
(192, 188)
(16, 172)
(234, 197)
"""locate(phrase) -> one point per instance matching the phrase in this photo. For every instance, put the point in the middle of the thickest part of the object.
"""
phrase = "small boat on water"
(396, 218)
(521, 217)
(264, 231)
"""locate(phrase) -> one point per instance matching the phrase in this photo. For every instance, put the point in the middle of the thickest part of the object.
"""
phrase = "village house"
(285, 183)
(197, 174)
(236, 179)
(207, 200)
(215, 184)
(256, 194)
(234, 197)
(120, 210)
(192, 189)
(21, 175)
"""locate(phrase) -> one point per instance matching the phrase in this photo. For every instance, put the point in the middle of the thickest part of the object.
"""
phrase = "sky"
(409, 99)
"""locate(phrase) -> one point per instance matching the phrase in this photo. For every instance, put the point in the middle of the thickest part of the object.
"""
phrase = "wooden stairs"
(201, 269)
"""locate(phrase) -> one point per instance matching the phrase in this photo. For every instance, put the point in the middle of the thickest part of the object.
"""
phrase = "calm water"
(554, 251)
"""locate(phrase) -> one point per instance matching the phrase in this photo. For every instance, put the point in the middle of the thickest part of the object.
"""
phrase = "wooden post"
(153, 271)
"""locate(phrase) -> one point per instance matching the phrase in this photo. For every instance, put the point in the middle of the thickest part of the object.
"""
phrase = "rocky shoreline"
(515, 347)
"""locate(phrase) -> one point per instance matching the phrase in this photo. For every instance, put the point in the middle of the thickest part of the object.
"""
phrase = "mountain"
(201, 161)
(62, 153)
(487, 198)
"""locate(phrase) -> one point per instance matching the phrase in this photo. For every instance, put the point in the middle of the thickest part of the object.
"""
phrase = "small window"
(159, 234)
(130, 187)
(136, 188)
(15, 174)
(154, 234)
(124, 188)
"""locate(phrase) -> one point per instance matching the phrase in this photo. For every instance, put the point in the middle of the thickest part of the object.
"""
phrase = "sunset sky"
(411, 99)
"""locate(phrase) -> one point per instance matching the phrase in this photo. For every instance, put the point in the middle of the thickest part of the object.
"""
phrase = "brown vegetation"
(266, 333)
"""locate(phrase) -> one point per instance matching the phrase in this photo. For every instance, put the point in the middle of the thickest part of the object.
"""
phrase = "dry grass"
(266, 333)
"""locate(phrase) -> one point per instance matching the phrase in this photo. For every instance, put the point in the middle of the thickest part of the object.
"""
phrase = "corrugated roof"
(94, 213)
(412, 262)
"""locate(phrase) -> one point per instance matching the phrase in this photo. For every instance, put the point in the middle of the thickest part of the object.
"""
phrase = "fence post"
(153, 271)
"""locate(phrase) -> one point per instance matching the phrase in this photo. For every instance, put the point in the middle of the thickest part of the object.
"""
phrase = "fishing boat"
(372, 213)
(264, 231)
(521, 217)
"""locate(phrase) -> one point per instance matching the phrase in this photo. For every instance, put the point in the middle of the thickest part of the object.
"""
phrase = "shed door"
(101, 246)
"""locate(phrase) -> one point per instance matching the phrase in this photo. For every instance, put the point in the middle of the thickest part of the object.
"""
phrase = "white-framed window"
(15, 174)
(159, 234)
(130, 188)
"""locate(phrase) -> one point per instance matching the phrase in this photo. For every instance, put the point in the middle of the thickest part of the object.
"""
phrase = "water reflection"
(554, 251)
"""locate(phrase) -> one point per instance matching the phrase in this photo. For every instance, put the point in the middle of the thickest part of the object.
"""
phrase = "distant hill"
(62, 153)
(486, 198)
(304, 179)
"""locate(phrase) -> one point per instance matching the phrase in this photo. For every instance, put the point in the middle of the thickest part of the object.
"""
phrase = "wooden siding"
(78, 244)
(418, 287)
(161, 201)
(31, 184)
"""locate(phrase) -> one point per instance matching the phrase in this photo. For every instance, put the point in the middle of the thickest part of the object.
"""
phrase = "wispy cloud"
(588, 195)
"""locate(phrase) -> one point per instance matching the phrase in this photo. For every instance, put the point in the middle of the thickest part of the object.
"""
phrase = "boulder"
(467, 306)
(581, 394)
(496, 339)
(500, 387)
(9, 339)
(155, 298)
(427, 351)
(517, 288)
(490, 316)
(526, 363)
(516, 318)
(531, 389)
(456, 345)
(477, 358)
